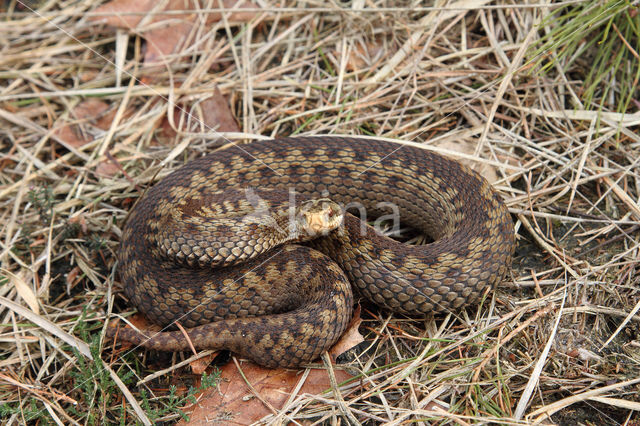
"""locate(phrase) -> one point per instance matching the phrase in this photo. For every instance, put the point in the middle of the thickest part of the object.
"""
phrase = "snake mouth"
(319, 217)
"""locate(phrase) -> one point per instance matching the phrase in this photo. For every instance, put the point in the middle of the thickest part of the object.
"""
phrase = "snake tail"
(291, 316)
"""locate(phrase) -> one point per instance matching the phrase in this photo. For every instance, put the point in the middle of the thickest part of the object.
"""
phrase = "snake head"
(318, 217)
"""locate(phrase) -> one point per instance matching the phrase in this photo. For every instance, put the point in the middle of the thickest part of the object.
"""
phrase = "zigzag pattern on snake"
(189, 255)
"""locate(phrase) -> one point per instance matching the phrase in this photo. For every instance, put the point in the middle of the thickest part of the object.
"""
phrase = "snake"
(257, 248)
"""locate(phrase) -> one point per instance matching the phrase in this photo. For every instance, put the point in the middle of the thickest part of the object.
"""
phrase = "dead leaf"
(107, 169)
(361, 56)
(200, 365)
(72, 278)
(233, 403)
(97, 112)
(80, 220)
(24, 290)
(87, 114)
(217, 115)
(212, 115)
(169, 33)
(350, 338)
(166, 130)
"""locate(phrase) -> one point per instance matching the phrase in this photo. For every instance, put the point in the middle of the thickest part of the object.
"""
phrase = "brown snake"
(286, 306)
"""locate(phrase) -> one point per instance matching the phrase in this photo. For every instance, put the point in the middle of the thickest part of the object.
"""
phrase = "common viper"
(200, 257)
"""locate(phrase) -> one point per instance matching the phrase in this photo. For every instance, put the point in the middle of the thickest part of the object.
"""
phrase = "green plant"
(42, 200)
(94, 383)
(607, 35)
(31, 411)
(173, 403)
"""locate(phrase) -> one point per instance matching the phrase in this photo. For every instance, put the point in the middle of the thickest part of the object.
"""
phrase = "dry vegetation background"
(92, 114)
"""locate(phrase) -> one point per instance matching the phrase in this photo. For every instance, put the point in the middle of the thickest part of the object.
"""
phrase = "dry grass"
(561, 337)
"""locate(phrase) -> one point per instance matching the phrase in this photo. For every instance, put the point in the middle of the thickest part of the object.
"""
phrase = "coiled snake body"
(199, 256)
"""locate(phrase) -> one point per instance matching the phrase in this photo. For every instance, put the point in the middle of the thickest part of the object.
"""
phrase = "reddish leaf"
(118, 7)
(362, 56)
(215, 115)
(107, 169)
(86, 114)
(200, 365)
(169, 33)
(73, 278)
(233, 403)
(350, 338)
(80, 220)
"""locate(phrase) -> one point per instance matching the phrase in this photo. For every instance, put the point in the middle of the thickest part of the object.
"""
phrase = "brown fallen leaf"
(350, 338)
(81, 220)
(234, 403)
(80, 128)
(200, 365)
(216, 113)
(212, 115)
(106, 169)
(73, 277)
(166, 33)
(76, 129)
(361, 56)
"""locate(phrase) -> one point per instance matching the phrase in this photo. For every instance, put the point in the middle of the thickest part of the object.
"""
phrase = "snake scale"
(194, 249)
